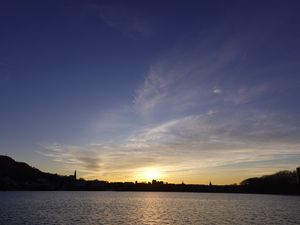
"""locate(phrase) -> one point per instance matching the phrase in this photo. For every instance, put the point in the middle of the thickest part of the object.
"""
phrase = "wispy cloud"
(123, 18)
(190, 143)
(85, 159)
(195, 78)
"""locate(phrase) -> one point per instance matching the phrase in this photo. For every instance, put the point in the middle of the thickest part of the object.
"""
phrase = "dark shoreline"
(18, 176)
(125, 187)
(233, 193)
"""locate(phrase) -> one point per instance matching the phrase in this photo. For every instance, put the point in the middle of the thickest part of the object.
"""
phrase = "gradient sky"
(191, 91)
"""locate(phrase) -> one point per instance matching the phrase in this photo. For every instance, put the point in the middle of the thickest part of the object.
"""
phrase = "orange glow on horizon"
(149, 174)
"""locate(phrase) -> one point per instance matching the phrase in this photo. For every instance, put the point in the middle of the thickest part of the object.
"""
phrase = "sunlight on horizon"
(149, 174)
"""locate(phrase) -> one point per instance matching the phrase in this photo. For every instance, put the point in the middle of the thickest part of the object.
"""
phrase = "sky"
(192, 91)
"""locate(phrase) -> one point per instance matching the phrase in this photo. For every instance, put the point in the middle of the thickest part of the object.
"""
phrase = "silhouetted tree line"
(283, 182)
(20, 176)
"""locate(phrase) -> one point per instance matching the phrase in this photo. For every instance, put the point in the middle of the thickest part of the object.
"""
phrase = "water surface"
(146, 208)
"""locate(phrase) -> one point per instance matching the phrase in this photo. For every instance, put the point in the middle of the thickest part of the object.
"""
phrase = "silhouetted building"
(73, 177)
(210, 183)
(157, 182)
(298, 175)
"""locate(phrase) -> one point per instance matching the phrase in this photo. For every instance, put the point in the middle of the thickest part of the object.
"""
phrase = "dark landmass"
(20, 176)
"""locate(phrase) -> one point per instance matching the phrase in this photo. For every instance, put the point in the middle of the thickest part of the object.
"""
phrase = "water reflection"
(146, 208)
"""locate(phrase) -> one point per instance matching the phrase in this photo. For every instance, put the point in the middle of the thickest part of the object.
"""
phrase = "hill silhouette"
(20, 176)
(18, 170)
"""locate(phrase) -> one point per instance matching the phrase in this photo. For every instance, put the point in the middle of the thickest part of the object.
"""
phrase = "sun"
(150, 174)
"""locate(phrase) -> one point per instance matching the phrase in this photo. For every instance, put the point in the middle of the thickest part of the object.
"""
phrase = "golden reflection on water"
(139, 208)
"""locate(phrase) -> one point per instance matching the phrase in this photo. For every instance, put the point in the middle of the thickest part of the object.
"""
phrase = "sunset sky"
(192, 91)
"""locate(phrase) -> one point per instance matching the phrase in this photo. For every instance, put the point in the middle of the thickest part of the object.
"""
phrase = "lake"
(68, 208)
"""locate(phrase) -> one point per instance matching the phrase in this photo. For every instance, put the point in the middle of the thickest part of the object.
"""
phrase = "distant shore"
(18, 176)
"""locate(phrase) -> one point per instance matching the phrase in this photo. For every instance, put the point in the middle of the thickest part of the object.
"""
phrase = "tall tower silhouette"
(75, 175)
(298, 174)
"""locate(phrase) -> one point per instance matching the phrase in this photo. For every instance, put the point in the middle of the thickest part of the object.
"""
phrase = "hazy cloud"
(217, 91)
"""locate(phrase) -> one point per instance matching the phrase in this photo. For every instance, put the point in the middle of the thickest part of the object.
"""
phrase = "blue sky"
(196, 91)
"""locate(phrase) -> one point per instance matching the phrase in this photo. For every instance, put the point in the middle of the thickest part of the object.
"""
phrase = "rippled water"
(146, 208)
